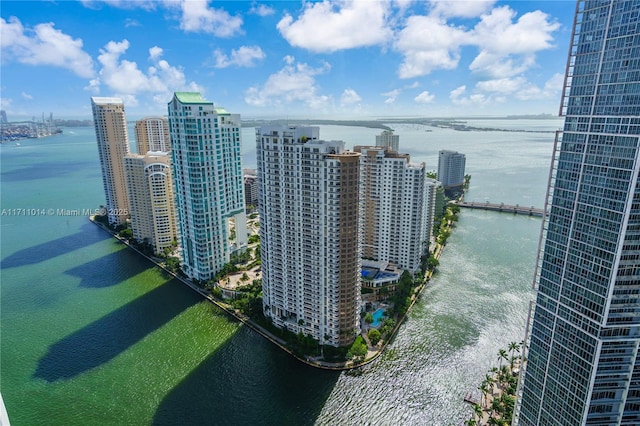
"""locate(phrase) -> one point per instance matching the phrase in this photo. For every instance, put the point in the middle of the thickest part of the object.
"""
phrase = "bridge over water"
(507, 208)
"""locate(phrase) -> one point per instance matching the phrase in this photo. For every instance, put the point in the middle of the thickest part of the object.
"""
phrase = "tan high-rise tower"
(152, 134)
(113, 144)
(151, 195)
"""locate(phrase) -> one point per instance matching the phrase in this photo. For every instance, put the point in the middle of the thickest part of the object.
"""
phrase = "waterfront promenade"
(239, 315)
(372, 353)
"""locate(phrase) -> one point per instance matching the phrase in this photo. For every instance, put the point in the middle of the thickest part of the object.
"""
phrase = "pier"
(506, 208)
(470, 398)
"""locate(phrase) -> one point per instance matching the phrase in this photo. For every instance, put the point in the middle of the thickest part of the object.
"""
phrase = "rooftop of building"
(155, 117)
(388, 153)
(191, 98)
(221, 111)
(103, 100)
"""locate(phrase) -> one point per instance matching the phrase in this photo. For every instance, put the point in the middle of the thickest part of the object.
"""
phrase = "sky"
(339, 59)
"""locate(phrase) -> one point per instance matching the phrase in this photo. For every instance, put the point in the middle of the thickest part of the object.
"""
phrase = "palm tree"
(484, 388)
(478, 411)
(489, 382)
(496, 406)
(502, 354)
(513, 346)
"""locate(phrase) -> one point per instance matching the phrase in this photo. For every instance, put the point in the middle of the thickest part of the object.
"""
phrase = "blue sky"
(329, 59)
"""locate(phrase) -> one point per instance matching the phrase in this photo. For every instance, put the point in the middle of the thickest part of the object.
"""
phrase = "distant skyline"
(330, 59)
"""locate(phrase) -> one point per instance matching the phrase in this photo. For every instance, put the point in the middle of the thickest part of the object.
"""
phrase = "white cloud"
(261, 10)
(522, 89)
(503, 85)
(27, 95)
(131, 23)
(245, 56)
(194, 15)
(425, 97)
(428, 43)
(403, 5)
(295, 82)
(121, 76)
(155, 52)
(458, 91)
(460, 8)
(5, 103)
(43, 45)
(555, 83)
(391, 96)
(123, 4)
(197, 16)
(508, 48)
(502, 89)
(330, 26)
(125, 79)
(350, 97)
(457, 97)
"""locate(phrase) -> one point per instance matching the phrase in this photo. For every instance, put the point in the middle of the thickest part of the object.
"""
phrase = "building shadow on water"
(248, 381)
(88, 234)
(106, 338)
(110, 270)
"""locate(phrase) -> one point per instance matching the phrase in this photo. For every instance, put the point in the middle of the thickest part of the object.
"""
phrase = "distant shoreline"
(453, 123)
(355, 123)
(458, 124)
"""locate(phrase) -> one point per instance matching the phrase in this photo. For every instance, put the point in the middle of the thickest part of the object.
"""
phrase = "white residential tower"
(309, 233)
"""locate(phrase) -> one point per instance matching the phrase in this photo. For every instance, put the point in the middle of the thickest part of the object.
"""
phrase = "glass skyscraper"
(583, 361)
(206, 157)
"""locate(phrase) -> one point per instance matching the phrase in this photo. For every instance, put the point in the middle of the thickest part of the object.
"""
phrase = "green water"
(91, 333)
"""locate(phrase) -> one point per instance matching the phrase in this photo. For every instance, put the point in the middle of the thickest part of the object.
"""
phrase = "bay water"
(92, 333)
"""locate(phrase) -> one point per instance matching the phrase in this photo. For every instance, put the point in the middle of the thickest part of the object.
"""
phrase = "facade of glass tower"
(583, 361)
(206, 157)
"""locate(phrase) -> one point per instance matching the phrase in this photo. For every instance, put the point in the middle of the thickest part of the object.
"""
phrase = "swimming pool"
(378, 317)
(369, 273)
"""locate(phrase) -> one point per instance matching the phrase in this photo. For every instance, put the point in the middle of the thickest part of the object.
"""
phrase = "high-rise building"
(3, 117)
(394, 213)
(206, 156)
(152, 134)
(250, 189)
(151, 199)
(112, 136)
(451, 171)
(387, 139)
(583, 361)
(436, 205)
(309, 233)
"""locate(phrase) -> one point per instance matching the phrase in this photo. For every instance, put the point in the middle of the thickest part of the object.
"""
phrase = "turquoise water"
(378, 316)
(93, 334)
